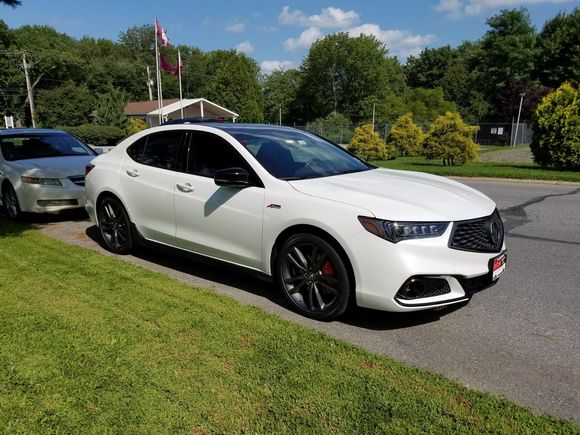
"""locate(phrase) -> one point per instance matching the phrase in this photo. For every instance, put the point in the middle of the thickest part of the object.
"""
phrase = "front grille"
(478, 235)
(79, 180)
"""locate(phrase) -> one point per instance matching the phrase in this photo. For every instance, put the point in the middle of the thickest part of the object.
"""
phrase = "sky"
(277, 34)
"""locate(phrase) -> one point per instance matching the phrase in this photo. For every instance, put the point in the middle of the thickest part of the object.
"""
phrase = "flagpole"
(180, 88)
(158, 75)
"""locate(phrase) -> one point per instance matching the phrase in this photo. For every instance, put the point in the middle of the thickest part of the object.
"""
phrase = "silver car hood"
(401, 195)
(52, 167)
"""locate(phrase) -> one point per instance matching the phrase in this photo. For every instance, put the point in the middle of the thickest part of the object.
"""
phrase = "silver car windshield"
(26, 147)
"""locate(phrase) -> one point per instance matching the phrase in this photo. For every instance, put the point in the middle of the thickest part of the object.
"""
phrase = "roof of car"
(227, 126)
(28, 131)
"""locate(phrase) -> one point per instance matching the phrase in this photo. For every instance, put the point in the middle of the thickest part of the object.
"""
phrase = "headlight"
(43, 181)
(397, 231)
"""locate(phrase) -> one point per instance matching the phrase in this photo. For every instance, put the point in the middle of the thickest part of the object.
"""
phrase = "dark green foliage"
(234, 84)
(97, 135)
(335, 127)
(110, 108)
(559, 50)
(69, 104)
(346, 75)
(428, 69)
(557, 129)
(280, 90)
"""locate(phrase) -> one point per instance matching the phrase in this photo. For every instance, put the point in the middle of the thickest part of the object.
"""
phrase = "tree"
(346, 75)
(406, 136)
(234, 84)
(69, 104)
(559, 50)
(12, 3)
(280, 88)
(367, 144)
(110, 108)
(428, 69)
(556, 128)
(509, 52)
(450, 140)
(335, 127)
(427, 104)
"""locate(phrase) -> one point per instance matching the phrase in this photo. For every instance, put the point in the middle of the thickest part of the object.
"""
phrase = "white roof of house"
(213, 107)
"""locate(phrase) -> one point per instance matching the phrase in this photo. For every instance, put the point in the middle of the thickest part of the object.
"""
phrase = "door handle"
(132, 172)
(185, 188)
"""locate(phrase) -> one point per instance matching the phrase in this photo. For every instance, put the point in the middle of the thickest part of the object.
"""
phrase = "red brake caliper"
(327, 269)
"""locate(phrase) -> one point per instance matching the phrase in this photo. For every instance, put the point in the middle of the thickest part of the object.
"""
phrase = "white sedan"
(332, 230)
(42, 171)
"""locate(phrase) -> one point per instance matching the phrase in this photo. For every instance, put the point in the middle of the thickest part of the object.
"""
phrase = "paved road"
(520, 339)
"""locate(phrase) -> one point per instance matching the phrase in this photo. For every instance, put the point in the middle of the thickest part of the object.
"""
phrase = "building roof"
(136, 108)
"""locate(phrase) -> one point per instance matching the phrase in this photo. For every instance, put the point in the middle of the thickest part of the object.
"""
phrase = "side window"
(210, 153)
(161, 150)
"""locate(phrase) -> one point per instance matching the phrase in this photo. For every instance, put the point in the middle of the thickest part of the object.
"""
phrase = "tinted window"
(161, 150)
(23, 147)
(210, 153)
(292, 154)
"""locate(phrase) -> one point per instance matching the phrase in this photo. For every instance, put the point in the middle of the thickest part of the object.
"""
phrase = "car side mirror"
(233, 177)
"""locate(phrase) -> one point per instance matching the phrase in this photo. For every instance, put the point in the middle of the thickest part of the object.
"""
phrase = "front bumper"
(382, 268)
(35, 198)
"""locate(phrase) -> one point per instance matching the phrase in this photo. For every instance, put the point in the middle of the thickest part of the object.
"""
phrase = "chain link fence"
(490, 133)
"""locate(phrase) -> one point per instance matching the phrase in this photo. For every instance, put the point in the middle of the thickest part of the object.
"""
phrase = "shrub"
(450, 140)
(97, 135)
(556, 128)
(136, 125)
(335, 127)
(367, 144)
(406, 136)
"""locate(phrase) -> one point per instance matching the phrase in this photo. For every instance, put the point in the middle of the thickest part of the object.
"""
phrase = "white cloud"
(399, 42)
(236, 27)
(460, 8)
(329, 18)
(245, 47)
(305, 40)
(269, 66)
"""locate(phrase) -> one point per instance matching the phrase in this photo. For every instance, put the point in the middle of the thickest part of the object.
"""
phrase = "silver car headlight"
(397, 231)
(42, 181)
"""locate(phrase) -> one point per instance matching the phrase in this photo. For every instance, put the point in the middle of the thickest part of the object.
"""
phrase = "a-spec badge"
(276, 206)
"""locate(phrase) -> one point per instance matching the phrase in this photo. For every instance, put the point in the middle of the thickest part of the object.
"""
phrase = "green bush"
(367, 144)
(450, 140)
(136, 125)
(97, 135)
(556, 128)
(406, 136)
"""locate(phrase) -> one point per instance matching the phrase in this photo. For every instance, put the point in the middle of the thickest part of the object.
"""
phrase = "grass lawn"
(528, 171)
(90, 343)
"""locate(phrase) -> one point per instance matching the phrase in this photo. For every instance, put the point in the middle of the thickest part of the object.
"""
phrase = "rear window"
(27, 147)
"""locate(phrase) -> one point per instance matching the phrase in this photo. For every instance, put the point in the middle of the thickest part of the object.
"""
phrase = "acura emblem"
(494, 232)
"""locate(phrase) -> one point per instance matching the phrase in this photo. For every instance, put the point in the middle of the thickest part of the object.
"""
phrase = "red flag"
(161, 34)
(179, 67)
(166, 66)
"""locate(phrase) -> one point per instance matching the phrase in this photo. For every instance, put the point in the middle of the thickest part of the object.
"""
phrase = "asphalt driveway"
(520, 338)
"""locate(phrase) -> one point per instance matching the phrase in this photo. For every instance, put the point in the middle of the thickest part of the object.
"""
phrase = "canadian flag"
(161, 34)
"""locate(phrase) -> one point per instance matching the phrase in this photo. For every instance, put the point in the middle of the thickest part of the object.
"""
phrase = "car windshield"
(295, 155)
(31, 146)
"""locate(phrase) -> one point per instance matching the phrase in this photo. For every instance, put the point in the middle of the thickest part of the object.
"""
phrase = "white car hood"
(52, 167)
(401, 195)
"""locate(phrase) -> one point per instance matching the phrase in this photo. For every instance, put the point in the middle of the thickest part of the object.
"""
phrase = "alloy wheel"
(115, 226)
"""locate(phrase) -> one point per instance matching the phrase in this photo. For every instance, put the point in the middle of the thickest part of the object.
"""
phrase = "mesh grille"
(433, 287)
(473, 285)
(478, 235)
(79, 180)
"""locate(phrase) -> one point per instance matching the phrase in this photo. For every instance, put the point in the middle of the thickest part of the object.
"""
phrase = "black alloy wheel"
(10, 202)
(313, 277)
(114, 225)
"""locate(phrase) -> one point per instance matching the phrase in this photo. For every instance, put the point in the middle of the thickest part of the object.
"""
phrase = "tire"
(313, 277)
(114, 226)
(10, 202)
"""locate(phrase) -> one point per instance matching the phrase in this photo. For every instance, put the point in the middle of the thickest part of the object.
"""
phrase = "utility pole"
(519, 113)
(149, 83)
(280, 116)
(374, 107)
(25, 66)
